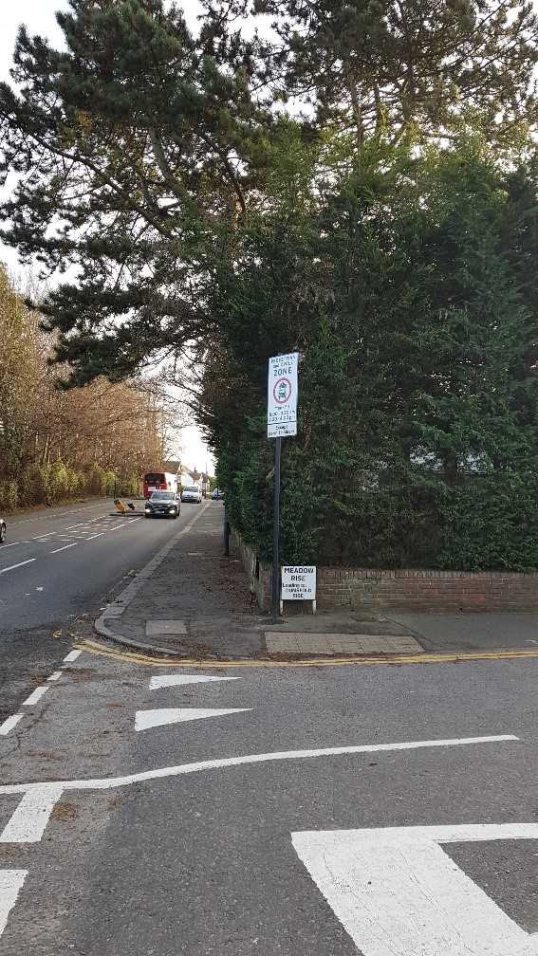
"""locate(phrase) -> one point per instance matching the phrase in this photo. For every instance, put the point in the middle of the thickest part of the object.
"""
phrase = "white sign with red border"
(282, 396)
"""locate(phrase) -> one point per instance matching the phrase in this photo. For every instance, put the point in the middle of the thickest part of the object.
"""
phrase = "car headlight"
(147, 508)
(172, 508)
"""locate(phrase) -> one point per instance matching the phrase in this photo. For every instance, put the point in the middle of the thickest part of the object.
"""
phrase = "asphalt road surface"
(315, 811)
(57, 566)
(158, 810)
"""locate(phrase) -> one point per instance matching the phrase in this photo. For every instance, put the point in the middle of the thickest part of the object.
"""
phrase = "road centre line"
(36, 695)
(19, 565)
(55, 676)
(109, 783)
(9, 724)
(65, 547)
(72, 656)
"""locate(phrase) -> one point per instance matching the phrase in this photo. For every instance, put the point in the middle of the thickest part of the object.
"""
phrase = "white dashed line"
(72, 656)
(41, 537)
(10, 886)
(28, 822)
(9, 724)
(19, 565)
(55, 676)
(35, 696)
(65, 547)
(98, 535)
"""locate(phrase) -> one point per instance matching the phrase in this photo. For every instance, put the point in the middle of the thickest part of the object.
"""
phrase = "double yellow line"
(94, 647)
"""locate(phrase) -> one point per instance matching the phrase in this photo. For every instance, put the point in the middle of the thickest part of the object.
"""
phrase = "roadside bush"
(9, 497)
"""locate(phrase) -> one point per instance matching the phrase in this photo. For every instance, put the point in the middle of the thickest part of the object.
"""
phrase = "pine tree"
(408, 67)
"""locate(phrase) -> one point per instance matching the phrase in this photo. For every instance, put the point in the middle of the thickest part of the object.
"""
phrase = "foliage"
(56, 445)
(375, 233)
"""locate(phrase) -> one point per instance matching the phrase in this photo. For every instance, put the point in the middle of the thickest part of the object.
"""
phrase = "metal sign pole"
(276, 531)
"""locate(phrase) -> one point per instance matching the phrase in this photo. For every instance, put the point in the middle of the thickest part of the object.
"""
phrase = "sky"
(38, 16)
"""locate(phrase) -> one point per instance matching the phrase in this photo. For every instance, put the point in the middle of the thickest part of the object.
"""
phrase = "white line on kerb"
(65, 547)
(28, 822)
(9, 724)
(72, 656)
(35, 696)
(108, 783)
(19, 565)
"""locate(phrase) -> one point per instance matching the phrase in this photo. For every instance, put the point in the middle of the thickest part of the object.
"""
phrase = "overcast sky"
(39, 17)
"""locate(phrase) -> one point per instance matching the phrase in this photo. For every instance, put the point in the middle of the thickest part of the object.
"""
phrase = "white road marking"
(14, 544)
(41, 537)
(9, 724)
(35, 696)
(29, 820)
(55, 676)
(397, 893)
(178, 680)
(109, 783)
(98, 535)
(19, 565)
(145, 719)
(10, 886)
(65, 547)
(72, 656)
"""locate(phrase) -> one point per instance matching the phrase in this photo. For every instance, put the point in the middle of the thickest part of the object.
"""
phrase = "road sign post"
(281, 423)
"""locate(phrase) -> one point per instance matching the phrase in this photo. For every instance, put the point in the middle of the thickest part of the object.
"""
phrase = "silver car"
(192, 493)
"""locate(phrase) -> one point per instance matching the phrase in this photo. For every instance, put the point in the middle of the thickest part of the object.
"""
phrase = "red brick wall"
(426, 590)
(407, 590)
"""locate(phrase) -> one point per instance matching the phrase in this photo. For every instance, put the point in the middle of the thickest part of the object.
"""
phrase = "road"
(55, 567)
(311, 812)
(160, 810)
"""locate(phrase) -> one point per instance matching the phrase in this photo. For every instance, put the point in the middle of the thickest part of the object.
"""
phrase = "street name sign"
(299, 583)
(282, 396)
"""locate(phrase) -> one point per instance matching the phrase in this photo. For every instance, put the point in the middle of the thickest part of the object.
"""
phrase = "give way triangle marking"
(179, 680)
(145, 719)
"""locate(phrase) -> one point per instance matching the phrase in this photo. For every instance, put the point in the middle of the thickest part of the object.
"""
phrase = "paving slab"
(301, 642)
(163, 628)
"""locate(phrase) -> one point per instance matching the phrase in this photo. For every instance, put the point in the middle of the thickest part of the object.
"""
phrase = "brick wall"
(357, 589)
(426, 590)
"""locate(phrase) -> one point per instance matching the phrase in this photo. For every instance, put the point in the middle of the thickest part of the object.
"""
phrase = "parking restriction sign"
(282, 396)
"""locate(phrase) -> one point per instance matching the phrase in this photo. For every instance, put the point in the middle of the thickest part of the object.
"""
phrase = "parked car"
(162, 504)
(3, 530)
(217, 494)
(192, 493)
